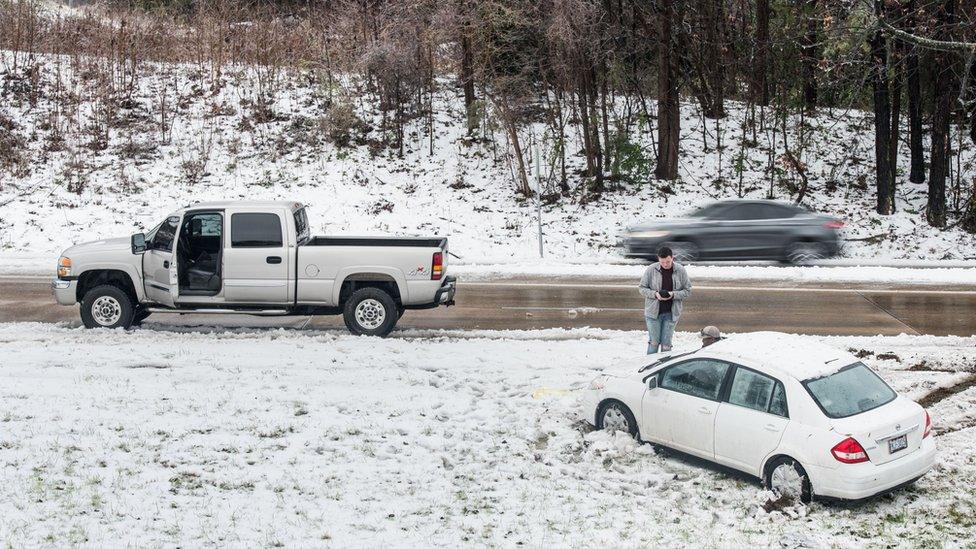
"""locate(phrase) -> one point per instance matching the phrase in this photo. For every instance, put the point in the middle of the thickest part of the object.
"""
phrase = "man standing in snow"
(665, 285)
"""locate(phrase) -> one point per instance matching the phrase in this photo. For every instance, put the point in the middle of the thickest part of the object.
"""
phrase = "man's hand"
(659, 298)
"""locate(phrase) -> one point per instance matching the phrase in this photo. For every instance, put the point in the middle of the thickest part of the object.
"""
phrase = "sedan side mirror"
(138, 243)
(652, 382)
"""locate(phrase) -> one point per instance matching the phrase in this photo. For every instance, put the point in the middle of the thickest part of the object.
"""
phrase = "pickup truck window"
(163, 239)
(255, 230)
(301, 225)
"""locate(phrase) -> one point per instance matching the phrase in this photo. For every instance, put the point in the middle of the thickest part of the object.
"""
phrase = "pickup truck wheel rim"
(786, 481)
(615, 420)
(370, 314)
(106, 310)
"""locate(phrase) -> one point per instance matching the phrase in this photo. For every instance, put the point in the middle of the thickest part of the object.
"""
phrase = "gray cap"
(710, 331)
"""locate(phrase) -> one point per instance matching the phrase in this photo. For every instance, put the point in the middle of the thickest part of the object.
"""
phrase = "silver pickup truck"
(253, 258)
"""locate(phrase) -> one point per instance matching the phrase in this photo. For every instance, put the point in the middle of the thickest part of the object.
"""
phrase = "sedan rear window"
(852, 390)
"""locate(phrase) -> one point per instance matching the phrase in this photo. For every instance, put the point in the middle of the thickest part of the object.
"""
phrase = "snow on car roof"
(791, 355)
(246, 204)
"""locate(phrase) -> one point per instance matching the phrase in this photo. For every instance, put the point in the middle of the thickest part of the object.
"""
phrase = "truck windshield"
(850, 391)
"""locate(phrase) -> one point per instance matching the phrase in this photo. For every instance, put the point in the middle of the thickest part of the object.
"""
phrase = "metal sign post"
(538, 194)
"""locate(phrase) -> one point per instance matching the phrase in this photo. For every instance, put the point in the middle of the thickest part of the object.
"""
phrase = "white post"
(538, 194)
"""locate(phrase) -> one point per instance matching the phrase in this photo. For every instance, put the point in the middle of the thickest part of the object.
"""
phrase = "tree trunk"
(760, 83)
(943, 82)
(809, 54)
(467, 80)
(882, 116)
(668, 107)
(893, 139)
(913, 82)
(917, 173)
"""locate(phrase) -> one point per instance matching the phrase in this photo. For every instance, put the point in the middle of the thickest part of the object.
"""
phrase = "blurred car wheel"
(799, 253)
(683, 250)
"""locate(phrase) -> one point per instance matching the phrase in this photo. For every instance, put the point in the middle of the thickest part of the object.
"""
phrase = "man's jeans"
(659, 333)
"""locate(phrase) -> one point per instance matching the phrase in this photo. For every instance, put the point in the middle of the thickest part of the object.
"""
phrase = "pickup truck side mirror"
(138, 243)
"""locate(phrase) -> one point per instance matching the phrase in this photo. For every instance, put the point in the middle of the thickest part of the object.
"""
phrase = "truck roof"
(290, 204)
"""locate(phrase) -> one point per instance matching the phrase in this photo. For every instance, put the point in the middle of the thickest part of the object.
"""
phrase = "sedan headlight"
(649, 234)
(64, 267)
(598, 384)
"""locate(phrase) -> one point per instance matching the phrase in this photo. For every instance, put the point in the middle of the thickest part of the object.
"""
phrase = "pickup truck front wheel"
(106, 306)
(370, 311)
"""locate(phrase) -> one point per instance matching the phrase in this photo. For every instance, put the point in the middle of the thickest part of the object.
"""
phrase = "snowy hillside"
(108, 167)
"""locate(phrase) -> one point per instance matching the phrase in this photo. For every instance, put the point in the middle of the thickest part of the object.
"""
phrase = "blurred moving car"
(739, 229)
(806, 418)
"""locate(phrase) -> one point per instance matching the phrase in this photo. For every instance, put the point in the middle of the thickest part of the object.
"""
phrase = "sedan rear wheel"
(615, 416)
(799, 253)
(787, 478)
(683, 251)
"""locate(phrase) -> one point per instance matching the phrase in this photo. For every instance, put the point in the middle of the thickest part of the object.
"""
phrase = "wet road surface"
(518, 304)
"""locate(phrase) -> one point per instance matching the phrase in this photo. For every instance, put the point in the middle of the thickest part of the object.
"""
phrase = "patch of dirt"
(888, 356)
(860, 353)
(942, 393)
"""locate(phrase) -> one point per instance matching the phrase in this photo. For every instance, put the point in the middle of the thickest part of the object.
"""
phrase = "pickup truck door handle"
(705, 410)
(166, 264)
(273, 259)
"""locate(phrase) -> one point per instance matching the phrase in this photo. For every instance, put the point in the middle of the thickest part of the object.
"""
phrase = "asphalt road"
(738, 306)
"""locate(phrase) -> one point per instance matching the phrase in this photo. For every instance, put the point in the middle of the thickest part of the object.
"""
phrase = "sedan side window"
(700, 378)
(778, 405)
(751, 390)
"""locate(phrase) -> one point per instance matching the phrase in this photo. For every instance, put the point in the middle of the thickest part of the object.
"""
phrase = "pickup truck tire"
(106, 306)
(370, 312)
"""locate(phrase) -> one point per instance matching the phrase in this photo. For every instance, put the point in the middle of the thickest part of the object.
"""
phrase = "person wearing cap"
(665, 286)
(709, 335)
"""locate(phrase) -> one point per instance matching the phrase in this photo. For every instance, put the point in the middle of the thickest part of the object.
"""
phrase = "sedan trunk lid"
(887, 432)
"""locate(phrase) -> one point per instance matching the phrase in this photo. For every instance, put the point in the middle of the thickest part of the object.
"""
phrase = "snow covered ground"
(189, 437)
(77, 188)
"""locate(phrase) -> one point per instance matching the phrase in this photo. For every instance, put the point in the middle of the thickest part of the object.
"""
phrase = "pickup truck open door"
(159, 264)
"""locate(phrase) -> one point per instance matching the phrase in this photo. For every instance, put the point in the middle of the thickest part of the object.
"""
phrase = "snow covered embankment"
(304, 438)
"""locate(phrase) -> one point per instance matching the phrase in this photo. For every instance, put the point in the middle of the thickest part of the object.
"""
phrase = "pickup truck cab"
(253, 258)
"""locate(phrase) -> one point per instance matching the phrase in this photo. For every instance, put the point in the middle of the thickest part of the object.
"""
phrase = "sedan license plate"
(897, 443)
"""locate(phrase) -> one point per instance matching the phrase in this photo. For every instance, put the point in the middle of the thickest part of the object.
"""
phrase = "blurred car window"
(710, 211)
(750, 212)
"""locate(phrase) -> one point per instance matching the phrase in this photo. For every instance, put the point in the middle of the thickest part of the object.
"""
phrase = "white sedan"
(806, 418)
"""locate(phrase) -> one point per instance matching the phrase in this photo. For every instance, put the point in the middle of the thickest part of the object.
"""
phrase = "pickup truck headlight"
(649, 234)
(64, 267)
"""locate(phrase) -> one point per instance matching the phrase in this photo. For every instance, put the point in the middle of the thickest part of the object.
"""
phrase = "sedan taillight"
(834, 224)
(928, 425)
(849, 451)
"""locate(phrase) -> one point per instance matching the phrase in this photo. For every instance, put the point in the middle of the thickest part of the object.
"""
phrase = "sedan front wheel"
(615, 416)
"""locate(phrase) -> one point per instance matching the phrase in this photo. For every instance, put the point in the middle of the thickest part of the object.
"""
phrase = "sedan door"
(694, 388)
(750, 424)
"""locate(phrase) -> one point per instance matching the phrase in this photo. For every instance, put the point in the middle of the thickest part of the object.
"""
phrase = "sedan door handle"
(273, 259)
(705, 410)
(166, 264)
(771, 427)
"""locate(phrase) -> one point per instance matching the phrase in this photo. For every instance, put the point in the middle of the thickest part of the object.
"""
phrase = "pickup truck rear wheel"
(370, 311)
(106, 306)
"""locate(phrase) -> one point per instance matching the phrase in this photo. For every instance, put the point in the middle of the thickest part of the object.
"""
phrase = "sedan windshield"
(850, 391)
